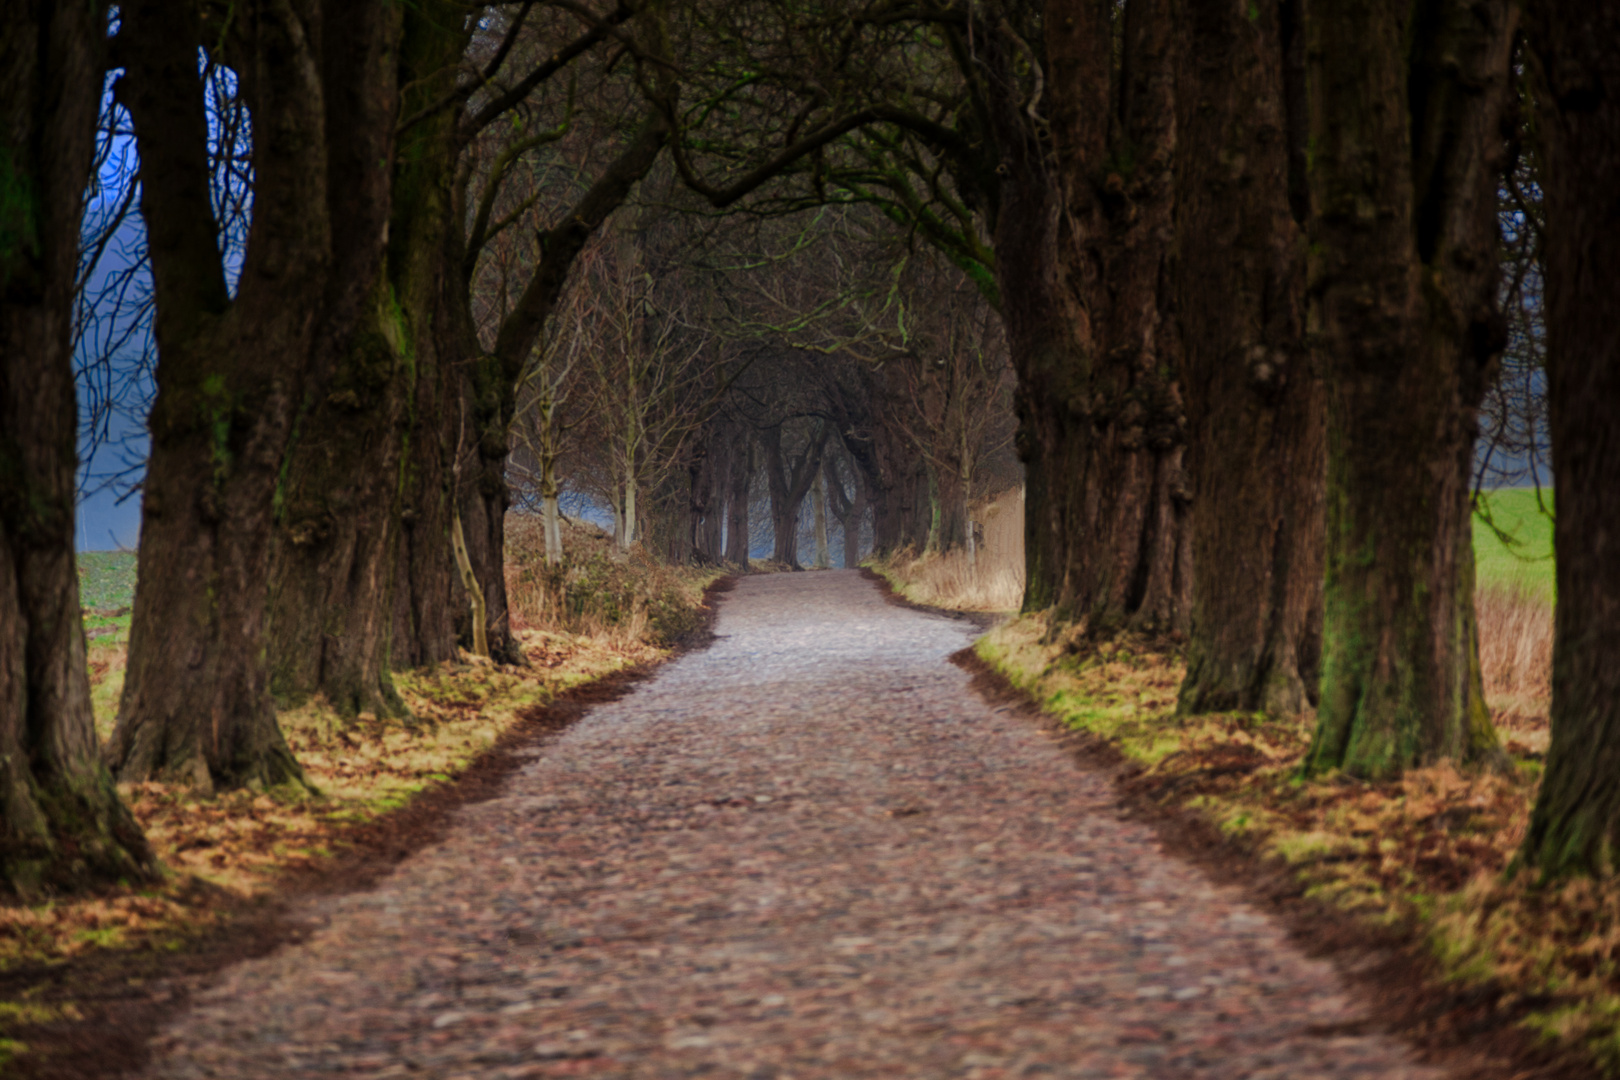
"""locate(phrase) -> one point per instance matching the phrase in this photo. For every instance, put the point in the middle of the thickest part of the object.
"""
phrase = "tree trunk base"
(83, 837)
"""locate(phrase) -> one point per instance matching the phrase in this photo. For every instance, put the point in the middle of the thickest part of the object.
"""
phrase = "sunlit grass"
(1516, 555)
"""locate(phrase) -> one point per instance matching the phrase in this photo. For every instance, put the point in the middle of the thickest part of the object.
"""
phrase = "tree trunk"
(425, 581)
(62, 826)
(818, 508)
(669, 523)
(887, 526)
(789, 483)
(737, 516)
(1255, 405)
(915, 509)
(1405, 129)
(1082, 256)
(489, 381)
(628, 535)
(551, 516)
(196, 705)
(951, 500)
(1575, 827)
(472, 587)
(857, 522)
(706, 476)
(332, 567)
(482, 498)
(427, 588)
(846, 510)
(333, 562)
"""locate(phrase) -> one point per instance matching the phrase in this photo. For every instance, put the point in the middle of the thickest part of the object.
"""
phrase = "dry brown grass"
(992, 581)
(597, 592)
(1515, 656)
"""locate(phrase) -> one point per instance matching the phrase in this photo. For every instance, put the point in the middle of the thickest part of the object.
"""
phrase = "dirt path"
(807, 853)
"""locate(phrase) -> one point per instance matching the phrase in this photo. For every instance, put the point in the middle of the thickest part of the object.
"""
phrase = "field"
(1516, 554)
(1514, 594)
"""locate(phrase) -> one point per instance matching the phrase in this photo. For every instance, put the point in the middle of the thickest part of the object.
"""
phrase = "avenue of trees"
(1245, 274)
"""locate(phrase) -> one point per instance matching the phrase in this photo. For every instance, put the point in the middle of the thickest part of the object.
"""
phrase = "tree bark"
(1082, 243)
(857, 522)
(62, 826)
(363, 579)
(426, 600)
(196, 705)
(707, 477)
(1406, 131)
(951, 508)
(818, 509)
(1255, 406)
(737, 516)
(847, 511)
(333, 562)
(1575, 827)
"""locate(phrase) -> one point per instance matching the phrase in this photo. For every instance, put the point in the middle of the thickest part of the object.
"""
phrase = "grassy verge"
(588, 618)
(1428, 856)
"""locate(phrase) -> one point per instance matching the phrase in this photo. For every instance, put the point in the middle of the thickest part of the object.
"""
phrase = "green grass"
(1525, 561)
(106, 580)
(106, 594)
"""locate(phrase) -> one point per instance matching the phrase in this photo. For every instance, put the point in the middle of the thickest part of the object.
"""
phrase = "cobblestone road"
(809, 852)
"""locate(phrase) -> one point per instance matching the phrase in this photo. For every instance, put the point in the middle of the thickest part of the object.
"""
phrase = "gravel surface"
(807, 852)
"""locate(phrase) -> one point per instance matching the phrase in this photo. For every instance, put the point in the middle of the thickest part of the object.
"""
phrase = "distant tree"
(651, 377)
(500, 177)
(846, 502)
(954, 387)
(790, 469)
(545, 421)
(61, 823)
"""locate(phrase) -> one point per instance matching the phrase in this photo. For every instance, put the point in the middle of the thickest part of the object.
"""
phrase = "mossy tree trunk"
(376, 479)
(1406, 111)
(62, 826)
(1082, 240)
(338, 509)
(196, 705)
(1575, 827)
(1255, 407)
